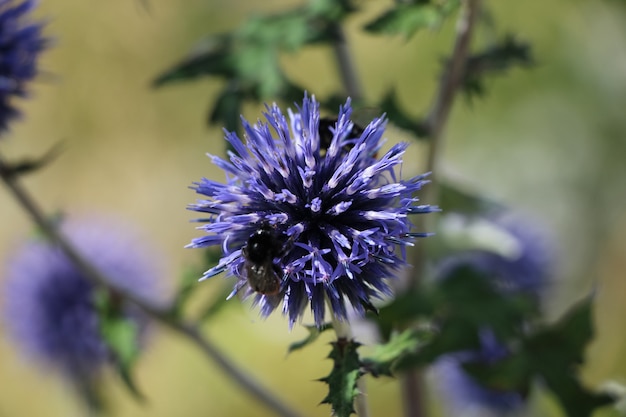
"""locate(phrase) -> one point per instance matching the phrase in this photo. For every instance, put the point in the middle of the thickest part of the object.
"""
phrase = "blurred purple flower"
(20, 45)
(525, 268)
(49, 306)
(465, 396)
(302, 221)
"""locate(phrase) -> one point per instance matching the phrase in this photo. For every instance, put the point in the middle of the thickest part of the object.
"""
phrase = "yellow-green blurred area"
(549, 141)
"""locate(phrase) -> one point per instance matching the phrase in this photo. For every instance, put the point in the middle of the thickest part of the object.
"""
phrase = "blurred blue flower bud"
(50, 308)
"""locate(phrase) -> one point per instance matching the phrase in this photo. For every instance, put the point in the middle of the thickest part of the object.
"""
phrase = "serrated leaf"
(334, 10)
(383, 358)
(214, 56)
(557, 352)
(226, 111)
(463, 304)
(288, 31)
(454, 198)
(401, 119)
(314, 334)
(496, 59)
(342, 380)
(551, 354)
(249, 55)
(403, 310)
(469, 296)
(407, 18)
(514, 373)
(120, 334)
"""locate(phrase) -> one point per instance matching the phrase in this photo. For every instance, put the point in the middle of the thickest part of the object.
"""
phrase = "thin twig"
(347, 71)
(448, 87)
(436, 121)
(158, 312)
(412, 390)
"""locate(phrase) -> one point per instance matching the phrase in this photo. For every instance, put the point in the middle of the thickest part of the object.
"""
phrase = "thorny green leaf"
(342, 380)
(407, 18)
(494, 60)
(213, 56)
(552, 354)
(314, 334)
(459, 307)
(227, 108)
(384, 356)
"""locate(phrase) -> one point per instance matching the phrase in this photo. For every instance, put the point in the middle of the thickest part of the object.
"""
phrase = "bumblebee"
(259, 253)
(326, 135)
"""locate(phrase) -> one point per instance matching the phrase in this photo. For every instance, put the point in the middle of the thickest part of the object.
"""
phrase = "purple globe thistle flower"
(300, 222)
(20, 44)
(49, 306)
(523, 266)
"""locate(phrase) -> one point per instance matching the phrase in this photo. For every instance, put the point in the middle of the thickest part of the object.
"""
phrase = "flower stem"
(343, 331)
(160, 313)
(436, 121)
(448, 87)
(347, 71)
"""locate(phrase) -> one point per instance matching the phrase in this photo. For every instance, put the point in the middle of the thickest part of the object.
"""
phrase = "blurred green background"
(550, 141)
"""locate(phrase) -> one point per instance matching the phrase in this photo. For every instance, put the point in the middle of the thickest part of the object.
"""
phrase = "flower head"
(20, 44)
(301, 221)
(50, 307)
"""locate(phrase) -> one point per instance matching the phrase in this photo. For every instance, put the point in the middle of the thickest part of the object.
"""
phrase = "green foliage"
(213, 56)
(406, 18)
(446, 316)
(461, 305)
(398, 117)
(227, 107)
(342, 380)
(452, 314)
(496, 59)
(465, 299)
(381, 361)
(121, 336)
(453, 198)
(314, 334)
(551, 354)
(248, 57)
(459, 308)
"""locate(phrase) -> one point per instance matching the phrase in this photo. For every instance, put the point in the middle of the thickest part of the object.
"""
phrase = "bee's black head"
(263, 245)
(326, 135)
